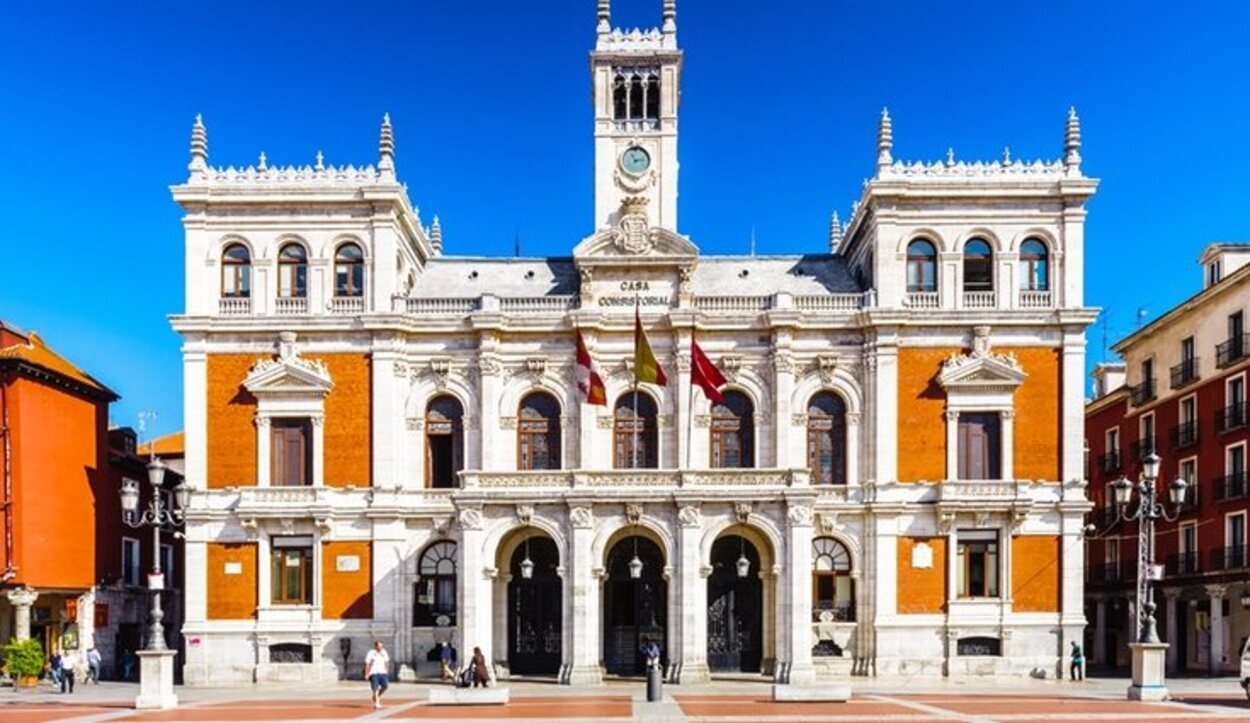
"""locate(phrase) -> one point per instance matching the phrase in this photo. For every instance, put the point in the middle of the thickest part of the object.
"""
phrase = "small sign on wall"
(234, 568)
(922, 556)
(347, 563)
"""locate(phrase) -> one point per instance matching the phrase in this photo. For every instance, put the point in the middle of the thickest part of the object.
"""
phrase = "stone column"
(488, 396)
(1100, 631)
(682, 399)
(474, 605)
(21, 599)
(585, 659)
(798, 580)
(263, 443)
(783, 390)
(1171, 611)
(692, 582)
(1216, 594)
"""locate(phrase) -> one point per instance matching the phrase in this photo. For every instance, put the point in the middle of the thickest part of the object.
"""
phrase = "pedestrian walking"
(128, 664)
(377, 667)
(93, 665)
(69, 660)
(1077, 668)
(54, 668)
(480, 674)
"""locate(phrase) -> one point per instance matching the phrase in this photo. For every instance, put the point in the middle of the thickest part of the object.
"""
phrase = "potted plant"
(24, 661)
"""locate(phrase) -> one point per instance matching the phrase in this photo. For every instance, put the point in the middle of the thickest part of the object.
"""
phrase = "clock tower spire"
(636, 76)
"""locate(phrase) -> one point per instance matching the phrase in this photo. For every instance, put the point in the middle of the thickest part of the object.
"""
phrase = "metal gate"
(735, 607)
(535, 610)
(634, 608)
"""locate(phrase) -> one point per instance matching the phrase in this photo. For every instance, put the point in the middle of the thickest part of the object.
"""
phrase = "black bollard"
(654, 681)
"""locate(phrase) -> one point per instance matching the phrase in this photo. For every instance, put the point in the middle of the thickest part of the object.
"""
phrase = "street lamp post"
(156, 678)
(1148, 650)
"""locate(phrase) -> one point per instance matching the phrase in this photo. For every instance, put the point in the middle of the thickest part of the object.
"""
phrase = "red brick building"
(1181, 393)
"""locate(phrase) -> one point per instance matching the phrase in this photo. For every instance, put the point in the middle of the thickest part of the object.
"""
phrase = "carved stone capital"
(742, 511)
(690, 516)
(633, 512)
(22, 597)
(582, 517)
(470, 518)
(783, 362)
(799, 515)
(507, 422)
(525, 514)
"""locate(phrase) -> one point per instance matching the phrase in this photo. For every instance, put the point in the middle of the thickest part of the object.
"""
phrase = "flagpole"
(637, 331)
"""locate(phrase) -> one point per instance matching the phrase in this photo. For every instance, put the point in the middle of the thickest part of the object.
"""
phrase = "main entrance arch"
(735, 607)
(635, 600)
(535, 608)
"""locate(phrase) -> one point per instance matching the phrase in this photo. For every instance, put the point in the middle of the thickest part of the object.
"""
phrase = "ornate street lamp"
(156, 684)
(1148, 650)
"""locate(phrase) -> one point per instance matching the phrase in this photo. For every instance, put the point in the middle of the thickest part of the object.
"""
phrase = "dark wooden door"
(735, 608)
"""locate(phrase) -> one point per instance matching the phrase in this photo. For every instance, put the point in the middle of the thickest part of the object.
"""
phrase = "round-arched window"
(293, 271)
(978, 266)
(826, 439)
(921, 266)
(236, 272)
(733, 431)
(538, 432)
(349, 271)
(833, 588)
(1034, 266)
(435, 601)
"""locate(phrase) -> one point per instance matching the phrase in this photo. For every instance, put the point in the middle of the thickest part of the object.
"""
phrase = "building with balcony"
(1194, 418)
(388, 441)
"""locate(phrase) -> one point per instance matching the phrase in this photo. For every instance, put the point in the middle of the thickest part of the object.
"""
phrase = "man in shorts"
(377, 663)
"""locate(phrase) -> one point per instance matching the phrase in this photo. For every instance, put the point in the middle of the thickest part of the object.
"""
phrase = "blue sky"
(491, 105)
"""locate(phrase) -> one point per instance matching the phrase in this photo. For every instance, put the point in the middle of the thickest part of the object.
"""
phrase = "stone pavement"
(880, 700)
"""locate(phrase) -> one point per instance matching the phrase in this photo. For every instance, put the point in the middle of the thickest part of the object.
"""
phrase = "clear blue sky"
(491, 105)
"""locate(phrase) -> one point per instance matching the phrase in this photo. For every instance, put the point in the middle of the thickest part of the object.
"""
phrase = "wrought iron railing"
(1184, 373)
(1142, 393)
(1230, 486)
(1231, 417)
(1185, 434)
(1231, 351)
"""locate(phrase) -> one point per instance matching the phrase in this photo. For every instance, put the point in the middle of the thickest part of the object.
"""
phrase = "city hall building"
(389, 442)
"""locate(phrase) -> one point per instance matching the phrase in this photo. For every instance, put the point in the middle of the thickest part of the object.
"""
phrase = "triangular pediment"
(289, 377)
(981, 370)
(649, 246)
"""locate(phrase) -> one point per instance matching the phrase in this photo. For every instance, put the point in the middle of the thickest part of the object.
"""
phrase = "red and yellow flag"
(589, 381)
(646, 367)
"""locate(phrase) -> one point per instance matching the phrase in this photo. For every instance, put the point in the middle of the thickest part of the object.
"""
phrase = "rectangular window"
(976, 567)
(1235, 530)
(1146, 442)
(292, 570)
(1236, 325)
(1111, 558)
(1235, 391)
(980, 445)
(1187, 349)
(167, 563)
(130, 561)
(1235, 460)
(1188, 471)
(1213, 273)
(291, 453)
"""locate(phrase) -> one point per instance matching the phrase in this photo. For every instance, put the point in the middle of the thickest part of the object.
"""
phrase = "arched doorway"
(735, 607)
(635, 602)
(535, 608)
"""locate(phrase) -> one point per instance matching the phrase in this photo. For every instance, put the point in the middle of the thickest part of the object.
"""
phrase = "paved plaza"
(881, 700)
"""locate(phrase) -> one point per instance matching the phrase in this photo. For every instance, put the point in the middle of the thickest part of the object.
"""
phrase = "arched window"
(436, 586)
(349, 271)
(444, 442)
(978, 266)
(293, 271)
(1034, 266)
(921, 266)
(538, 432)
(733, 431)
(826, 439)
(833, 589)
(236, 272)
(634, 432)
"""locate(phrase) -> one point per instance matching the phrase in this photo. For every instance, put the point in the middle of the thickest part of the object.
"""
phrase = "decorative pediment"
(633, 241)
(289, 374)
(981, 369)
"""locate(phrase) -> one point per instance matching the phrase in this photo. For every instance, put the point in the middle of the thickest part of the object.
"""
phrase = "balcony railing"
(715, 304)
(832, 302)
(1110, 462)
(1232, 351)
(448, 306)
(234, 306)
(1143, 447)
(347, 305)
(291, 305)
(1107, 572)
(1231, 486)
(1183, 563)
(1229, 558)
(1185, 434)
(921, 300)
(556, 304)
(1184, 373)
(1143, 392)
(1035, 299)
(980, 299)
(1231, 417)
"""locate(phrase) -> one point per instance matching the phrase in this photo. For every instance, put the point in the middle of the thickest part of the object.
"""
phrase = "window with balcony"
(826, 439)
(292, 272)
(1187, 549)
(435, 599)
(1235, 541)
(290, 452)
(976, 564)
(1111, 457)
(349, 271)
(1233, 349)
(733, 431)
(1110, 560)
(291, 572)
(538, 432)
(1185, 433)
(978, 266)
(1233, 415)
(1145, 390)
(634, 431)
(1188, 471)
(1186, 371)
(236, 272)
(444, 442)
(921, 267)
(1234, 484)
(1145, 443)
(980, 445)
(833, 590)
(1034, 266)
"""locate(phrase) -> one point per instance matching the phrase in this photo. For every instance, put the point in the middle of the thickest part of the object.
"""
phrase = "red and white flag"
(704, 373)
(589, 380)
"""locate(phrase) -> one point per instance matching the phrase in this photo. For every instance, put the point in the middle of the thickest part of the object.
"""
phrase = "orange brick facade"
(921, 590)
(348, 417)
(922, 404)
(347, 594)
(231, 581)
(1036, 569)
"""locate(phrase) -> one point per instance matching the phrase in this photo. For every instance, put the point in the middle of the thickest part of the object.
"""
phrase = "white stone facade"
(488, 332)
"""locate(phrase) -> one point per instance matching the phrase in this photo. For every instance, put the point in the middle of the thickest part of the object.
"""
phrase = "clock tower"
(636, 76)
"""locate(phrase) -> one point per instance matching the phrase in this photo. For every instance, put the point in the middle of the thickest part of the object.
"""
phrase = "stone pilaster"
(692, 580)
(586, 608)
(1216, 594)
(798, 580)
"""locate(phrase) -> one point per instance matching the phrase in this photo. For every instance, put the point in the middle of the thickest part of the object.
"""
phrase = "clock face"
(635, 160)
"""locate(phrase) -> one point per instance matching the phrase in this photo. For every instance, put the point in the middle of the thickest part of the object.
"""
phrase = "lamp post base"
(1149, 661)
(156, 680)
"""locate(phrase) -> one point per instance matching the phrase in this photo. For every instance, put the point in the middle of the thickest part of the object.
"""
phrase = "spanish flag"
(646, 368)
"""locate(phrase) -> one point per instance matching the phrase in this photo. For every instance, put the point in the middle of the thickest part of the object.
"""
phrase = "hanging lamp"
(744, 565)
(527, 565)
(635, 565)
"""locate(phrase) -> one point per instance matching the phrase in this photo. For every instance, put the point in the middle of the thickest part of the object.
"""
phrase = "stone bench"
(447, 695)
(826, 693)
